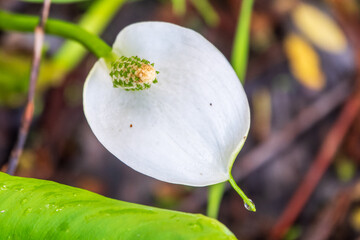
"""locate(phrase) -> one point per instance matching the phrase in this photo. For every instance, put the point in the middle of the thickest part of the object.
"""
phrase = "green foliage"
(96, 18)
(39, 209)
(14, 71)
(15, 68)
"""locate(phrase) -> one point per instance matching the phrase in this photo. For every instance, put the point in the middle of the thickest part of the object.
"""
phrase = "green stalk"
(207, 11)
(249, 205)
(179, 7)
(239, 61)
(95, 20)
(215, 194)
(69, 55)
(240, 51)
(25, 23)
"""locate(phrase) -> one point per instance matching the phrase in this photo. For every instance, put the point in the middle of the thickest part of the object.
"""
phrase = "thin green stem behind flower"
(239, 62)
(95, 20)
(207, 12)
(215, 195)
(240, 50)
(25, 23)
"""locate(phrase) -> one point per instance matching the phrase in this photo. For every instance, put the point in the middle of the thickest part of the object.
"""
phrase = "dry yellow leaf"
(355, 219)
(304, 62)
(319, 28)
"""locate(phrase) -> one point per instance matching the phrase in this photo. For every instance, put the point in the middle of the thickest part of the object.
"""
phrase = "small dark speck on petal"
(131, 125)
(210, 104)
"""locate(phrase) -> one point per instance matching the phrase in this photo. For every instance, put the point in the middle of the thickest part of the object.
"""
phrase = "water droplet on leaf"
(195, 226)
(248, 207)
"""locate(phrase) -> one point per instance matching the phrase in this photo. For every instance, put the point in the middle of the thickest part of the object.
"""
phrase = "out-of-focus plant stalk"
(68, 56)
(26, 23)
(240, 50)
(207, 11)
(179, 7)
(94, 20)
(215, 194)
(239, 61)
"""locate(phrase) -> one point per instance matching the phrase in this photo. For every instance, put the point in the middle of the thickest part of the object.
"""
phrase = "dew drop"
(2, 211)
(247, 206)
(195, 226)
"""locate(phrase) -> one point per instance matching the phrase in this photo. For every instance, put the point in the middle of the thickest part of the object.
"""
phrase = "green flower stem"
(95, 20)
(239, 61)
(25, 23)
(249, 205)
(240, 51)
(215, 195)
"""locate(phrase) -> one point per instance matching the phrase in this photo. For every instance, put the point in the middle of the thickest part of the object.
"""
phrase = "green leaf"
(39, 209)
(54, 1)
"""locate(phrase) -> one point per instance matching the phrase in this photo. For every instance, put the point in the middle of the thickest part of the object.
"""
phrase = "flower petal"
(187, 128)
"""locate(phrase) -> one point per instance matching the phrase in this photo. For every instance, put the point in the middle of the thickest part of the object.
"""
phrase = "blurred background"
(300, 162)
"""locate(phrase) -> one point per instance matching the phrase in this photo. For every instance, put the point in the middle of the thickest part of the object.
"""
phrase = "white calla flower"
(186, 129)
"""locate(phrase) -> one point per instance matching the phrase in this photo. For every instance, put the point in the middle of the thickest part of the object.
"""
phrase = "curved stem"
(94, 20)
(249, 205)
(215, 195)
(241, 42)
(25, 23)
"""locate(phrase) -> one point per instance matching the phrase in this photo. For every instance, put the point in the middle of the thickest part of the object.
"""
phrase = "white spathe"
(187, 128)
